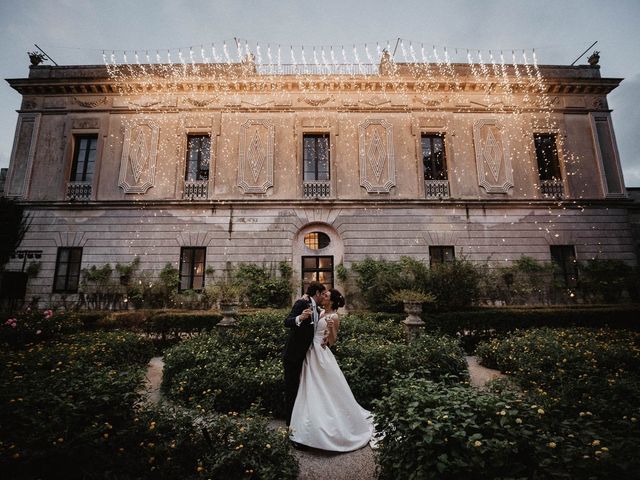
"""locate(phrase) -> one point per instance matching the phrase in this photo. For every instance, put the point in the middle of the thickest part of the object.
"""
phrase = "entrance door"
(317, 269)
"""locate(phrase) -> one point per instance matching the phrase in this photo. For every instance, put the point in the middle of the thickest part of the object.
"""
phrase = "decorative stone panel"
(22, 156)
(377, 162)
(139, 156)
(493, 162)
(255, 169)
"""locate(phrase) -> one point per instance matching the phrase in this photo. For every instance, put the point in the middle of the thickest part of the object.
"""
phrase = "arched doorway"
(317, 250)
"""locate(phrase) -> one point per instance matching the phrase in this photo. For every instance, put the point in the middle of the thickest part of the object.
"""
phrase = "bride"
(326, 414)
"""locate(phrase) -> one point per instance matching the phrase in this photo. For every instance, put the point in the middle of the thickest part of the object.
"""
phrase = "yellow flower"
(518, 420)
(200, 468)
(604, 449)
(595, 443)
(477, 443)
(540, 411)
(551, 444)
(268, 445)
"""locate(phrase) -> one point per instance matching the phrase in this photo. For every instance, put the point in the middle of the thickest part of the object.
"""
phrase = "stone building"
(208, 165)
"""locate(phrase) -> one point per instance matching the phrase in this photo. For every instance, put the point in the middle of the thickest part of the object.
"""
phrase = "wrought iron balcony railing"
(78, 190)
(552, 188)
(317, 189)
(196, 189)
(436, 188)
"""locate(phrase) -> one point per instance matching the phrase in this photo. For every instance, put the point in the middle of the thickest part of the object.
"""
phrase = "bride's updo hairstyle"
(337, 300)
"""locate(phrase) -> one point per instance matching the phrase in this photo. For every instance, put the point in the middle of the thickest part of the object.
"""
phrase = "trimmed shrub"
(438, 431)
(473, 326)
(370, 364)
(232, 369)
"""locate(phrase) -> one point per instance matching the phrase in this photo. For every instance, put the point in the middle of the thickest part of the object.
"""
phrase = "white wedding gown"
(326, 414)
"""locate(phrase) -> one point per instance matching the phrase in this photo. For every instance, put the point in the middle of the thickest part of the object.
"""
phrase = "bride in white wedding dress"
(326, 415)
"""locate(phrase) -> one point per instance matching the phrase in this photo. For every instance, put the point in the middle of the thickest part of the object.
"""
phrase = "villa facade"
(207, 166)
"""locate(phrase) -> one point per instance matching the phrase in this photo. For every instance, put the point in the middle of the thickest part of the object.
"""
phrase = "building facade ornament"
(493, 161)
(255, 168)
(139, 156)
(377, 162)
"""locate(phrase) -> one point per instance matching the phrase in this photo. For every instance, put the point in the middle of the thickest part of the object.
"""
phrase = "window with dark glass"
(317, 269)
(433, 157)
(198, 157)
(441, 254)
(84, 157)
(547, 156)
(67, 274)
(192, 265)
(565, 263)
(316, 240)
(316, 157)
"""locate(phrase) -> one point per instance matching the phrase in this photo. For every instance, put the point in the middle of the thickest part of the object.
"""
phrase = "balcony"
(317, 189)
(552, 188)
(436, 189)
(79, 191)
(196, 189)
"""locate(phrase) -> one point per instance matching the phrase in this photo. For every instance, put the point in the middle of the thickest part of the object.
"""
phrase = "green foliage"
(70, 410)
(588, 382)
(456, 284)
(126, 270)
(433, 431)
(231, 370)
(341, 272)
(370, 363)
(377, 278)
(604, 280)
(262, 287)
(565, 368)
(14, 223)
(472, 326)
(57, 398)
(99, 290)
(436, 431)
(526, 281)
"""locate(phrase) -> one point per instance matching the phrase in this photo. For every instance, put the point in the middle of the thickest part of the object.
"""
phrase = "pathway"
(318, 464)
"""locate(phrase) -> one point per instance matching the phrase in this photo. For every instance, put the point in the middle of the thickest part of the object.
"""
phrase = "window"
(317, 269)
(433, 157)
(192, 261)
(316, 157)
(84, 157)
(316, 240)
(564, 259)
(440, 254)
(67, 272)
(198, 156)
(547, 156)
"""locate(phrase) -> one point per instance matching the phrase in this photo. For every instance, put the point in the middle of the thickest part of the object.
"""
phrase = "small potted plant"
(36, 58)
(413, 301)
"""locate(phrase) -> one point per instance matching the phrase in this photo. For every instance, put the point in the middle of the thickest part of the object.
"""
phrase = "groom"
(301, 322)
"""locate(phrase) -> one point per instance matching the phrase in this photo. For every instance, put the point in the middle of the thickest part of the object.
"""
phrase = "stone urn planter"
(229, 311)
(412, 301)
(227, 293)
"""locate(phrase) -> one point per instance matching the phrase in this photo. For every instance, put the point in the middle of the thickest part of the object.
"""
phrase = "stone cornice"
(94, 80)
(381, 203)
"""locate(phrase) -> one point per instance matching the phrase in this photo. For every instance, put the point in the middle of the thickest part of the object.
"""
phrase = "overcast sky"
(76, 32)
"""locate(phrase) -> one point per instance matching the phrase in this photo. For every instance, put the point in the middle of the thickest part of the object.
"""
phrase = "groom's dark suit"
(295, 350)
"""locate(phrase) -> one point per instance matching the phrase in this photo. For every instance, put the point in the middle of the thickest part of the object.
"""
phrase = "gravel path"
(318, 464)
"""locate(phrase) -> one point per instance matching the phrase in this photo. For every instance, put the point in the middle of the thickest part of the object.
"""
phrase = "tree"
(14, 223)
